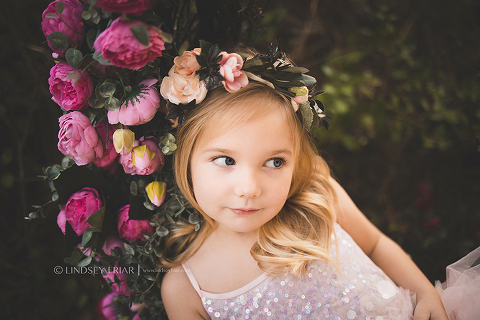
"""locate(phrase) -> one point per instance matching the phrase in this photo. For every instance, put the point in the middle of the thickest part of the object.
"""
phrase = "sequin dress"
(361, 291)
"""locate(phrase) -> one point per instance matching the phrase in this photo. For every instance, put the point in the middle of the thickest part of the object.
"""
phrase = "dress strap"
(191, 277)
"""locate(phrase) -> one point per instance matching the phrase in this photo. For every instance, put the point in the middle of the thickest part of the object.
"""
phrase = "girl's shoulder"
(176, 284)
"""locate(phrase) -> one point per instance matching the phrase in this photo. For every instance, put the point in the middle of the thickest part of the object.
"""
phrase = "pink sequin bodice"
(360, 291)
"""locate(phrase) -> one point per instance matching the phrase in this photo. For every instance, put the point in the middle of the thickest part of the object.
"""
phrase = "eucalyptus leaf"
(167, 37)
(162, 231)
(141, 34)
(55, 196)
(193, 218)
(134, 188)
(106, 89)
(86, 15)
(129, 249)
(307, 115)
(96, 219)
(53, 172)
(51, 16)
(59, 40)
(72, 75)
(149, 205)
(59, 7)
(73, 57)
(85, 262)
(87, 235)
(113, 104)
(197, 227)
(74, 82)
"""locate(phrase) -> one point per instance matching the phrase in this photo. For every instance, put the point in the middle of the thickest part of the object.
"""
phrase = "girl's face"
(241, 179)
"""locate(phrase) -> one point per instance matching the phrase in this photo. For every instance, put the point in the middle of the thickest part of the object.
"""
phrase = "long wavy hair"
(302, 231)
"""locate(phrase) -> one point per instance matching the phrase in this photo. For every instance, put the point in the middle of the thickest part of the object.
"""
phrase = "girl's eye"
(275, 163)
(224, 161)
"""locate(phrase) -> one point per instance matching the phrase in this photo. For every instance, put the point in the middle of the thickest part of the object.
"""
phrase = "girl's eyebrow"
(226, 151)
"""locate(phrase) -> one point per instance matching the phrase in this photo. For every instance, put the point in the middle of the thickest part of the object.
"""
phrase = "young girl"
(281, 239)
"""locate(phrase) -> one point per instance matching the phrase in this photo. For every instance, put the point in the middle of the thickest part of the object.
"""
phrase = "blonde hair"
(301, 232)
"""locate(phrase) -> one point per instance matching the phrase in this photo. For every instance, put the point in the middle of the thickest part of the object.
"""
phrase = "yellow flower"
(123, 140)
(156, 192)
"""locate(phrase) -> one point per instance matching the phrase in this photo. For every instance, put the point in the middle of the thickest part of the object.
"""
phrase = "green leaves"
(141, 34)
(74, 58)
(59, 40)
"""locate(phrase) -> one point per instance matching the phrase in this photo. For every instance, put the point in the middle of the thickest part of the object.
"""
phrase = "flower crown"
(206, 68)
(115, 187)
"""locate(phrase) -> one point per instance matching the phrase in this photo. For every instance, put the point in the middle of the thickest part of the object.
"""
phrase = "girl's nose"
(247, 184)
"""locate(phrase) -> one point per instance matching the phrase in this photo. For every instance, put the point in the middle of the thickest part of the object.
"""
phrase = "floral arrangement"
(124, 90)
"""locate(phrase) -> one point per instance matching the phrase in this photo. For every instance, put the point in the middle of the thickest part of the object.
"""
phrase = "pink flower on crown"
(72, 15)
(68, 95)
(79, 208)
(120, 273)
(122, 6)
(139, 110)
(118, 44)
(182, 85)
(231, 69)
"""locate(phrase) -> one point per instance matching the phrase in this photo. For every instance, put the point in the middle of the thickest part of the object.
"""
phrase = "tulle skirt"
(460, 293)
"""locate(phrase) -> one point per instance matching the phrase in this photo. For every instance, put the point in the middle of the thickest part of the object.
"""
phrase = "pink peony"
(139, 110)
(72, 15)
(121, 274)
(117, 44)
(107, 309)
(125, 6)
(78, 138)
(111, 243)
(182, 89)
(187, 64)
(80, 207)
(231, 69)
(146, 163)
(68, 95)
(132, 230)
(109, 153)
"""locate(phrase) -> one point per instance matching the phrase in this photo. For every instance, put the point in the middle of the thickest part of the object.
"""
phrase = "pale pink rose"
(139, 110)
(72, 15)
(125, 6)
(78, 138)
(117, 44)
(107, 308)
(111, 243)
(61, 220)
(69, 96)
(187, 64)
(132, 230)
(80, 207)
(231, 69)
(144, 165)
(299, 98)
(121, 274)
(109, 153)
(182, 89)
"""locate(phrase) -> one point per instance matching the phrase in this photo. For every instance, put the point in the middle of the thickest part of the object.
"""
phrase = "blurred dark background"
(402, 82)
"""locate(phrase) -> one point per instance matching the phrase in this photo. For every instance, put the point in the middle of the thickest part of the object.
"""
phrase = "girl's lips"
(243, 211)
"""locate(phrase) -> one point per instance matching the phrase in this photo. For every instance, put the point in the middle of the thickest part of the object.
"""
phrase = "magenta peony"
(140, 109)
(68, 95)
(132, 230)
(125, 6)
(78, 138)
(231, 69)
(148, 159)
(117, 44)
(121, 274)
(79, 208)
(61, 220)
(72, 15)
(107, 309)
(109, 153)
(111, 243)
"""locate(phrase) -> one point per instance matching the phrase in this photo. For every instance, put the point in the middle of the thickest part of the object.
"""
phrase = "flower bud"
(123, 140)
(142, 156)
(156, 192)
(301, 96)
